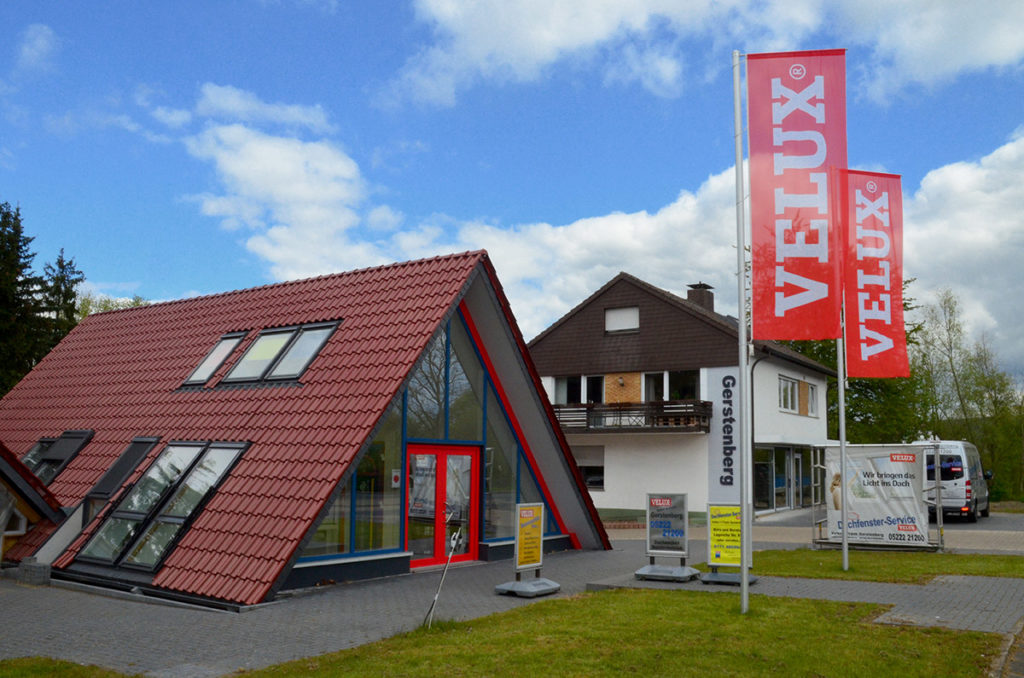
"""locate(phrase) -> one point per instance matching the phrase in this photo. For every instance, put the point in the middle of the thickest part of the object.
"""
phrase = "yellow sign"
(724, 542)
(529, 535)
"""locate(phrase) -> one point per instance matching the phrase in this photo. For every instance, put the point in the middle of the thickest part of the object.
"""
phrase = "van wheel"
(988, 506)
(972, 517)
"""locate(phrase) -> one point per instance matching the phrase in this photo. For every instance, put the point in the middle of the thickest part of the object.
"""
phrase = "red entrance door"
(443, 490)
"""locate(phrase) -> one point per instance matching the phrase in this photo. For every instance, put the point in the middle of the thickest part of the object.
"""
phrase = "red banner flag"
(876, 338)
(796, 109)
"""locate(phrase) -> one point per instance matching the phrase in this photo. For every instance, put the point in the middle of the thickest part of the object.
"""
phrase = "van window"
(952, 467)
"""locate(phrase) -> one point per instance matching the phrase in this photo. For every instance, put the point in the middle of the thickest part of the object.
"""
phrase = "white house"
(634, 373)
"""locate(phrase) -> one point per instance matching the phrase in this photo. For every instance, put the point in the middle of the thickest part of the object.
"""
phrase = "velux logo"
(903, 456)
(661, 502)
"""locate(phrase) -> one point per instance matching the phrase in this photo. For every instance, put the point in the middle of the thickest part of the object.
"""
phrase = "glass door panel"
(422, 500)
(458, 490)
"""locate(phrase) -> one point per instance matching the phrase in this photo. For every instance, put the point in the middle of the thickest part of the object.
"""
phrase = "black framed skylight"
(49, 456)
(214, 359)
(139, 532)
(281, 354)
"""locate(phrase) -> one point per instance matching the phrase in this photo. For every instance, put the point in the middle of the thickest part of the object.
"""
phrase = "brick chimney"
(701, 294)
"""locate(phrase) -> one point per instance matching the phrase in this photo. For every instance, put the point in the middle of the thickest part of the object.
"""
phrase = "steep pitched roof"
(120, 374)
(714, 323)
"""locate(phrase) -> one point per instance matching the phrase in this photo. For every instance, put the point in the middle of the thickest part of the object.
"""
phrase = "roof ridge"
(468, 254)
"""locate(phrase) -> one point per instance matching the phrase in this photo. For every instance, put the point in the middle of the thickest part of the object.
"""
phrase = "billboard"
(885, 502)
(796, 112)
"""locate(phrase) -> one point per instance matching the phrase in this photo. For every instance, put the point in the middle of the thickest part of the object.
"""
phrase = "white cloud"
(300, 197)
(964, 230)
(932, 42)
(546, 269)
(641, 41)
(36, 50)
(174, 118)
(230, 103)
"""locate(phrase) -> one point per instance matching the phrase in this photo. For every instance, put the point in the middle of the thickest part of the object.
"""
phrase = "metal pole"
(744, 468)
(841, 365)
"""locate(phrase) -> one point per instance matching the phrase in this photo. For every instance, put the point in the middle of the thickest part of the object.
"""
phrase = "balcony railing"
(679, 416)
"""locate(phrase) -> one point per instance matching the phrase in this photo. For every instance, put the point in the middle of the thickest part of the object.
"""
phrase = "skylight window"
(50, 456)
(215, 358)
(281, 354)
(148, 519)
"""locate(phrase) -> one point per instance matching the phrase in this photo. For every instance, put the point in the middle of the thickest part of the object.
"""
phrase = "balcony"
(668, 416)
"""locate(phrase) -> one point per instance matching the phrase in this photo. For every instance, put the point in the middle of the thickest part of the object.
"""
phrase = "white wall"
(635, 464)
(772, 425)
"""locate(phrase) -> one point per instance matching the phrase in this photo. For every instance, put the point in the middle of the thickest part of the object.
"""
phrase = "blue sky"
(188, 148)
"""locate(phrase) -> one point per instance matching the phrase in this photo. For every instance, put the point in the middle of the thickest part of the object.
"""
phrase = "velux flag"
(876, 339)
(796, 108)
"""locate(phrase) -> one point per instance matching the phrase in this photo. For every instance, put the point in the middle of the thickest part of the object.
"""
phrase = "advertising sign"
(884, 495)
(724, 542)
(666, 525)
(529, 536)
(876, 339)
(796, 109)
(723, 440)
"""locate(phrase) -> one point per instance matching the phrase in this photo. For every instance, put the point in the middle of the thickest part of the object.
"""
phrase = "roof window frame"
(266, 375)
(55, 454)
(235, 338)
(156, 513)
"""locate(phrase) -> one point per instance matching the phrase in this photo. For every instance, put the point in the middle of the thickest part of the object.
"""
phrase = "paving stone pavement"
(156, 639)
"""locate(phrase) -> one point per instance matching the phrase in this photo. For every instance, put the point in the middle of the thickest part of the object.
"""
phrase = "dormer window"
(214, 359)
(281, 354)
(625, 319)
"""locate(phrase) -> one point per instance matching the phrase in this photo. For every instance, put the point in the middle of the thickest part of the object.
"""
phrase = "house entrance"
(443, 492)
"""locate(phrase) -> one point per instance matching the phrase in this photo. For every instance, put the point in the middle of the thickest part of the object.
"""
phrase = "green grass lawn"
(667, 633)
(675, 633)
(899, 567)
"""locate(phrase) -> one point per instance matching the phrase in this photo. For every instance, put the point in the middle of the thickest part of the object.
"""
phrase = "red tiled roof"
(119, 374)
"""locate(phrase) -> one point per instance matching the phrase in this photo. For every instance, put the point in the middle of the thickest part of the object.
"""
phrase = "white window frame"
(812, 399)
(789, 395)
(622, 319)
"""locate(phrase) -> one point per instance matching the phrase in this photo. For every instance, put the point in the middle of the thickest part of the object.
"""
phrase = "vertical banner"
(724, 437)
(796, 110)
(667, 520)
(876, 339)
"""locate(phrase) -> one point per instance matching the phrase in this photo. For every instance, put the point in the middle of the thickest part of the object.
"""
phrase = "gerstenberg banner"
(884, 495)
(796, 110)
(723, 439)
(876, 339)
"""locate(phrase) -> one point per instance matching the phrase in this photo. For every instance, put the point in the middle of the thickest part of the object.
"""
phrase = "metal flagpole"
(744, 378)
(841, 365)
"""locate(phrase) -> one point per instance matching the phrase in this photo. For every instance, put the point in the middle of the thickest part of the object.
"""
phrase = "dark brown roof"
(676, 334)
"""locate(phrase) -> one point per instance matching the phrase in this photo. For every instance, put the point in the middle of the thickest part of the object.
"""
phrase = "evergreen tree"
(60, 295)
(22, 329)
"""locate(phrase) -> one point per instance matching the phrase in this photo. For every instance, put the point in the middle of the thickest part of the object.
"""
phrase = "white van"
(964, 481)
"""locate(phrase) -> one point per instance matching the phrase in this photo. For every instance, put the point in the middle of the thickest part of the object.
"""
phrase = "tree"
(60, 295)
(22, 328)
(968, 397)
(88, 303)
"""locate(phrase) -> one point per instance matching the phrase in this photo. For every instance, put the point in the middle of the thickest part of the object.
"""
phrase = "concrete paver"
(171, 641)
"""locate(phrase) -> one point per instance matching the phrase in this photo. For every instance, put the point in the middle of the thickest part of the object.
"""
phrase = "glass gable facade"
(451, 399)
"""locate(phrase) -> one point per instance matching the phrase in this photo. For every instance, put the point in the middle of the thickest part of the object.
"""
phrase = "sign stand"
(724, 545)
(667, 532)
(529, 555)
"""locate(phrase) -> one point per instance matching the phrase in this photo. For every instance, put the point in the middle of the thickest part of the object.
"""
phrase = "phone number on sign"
(906, 537)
